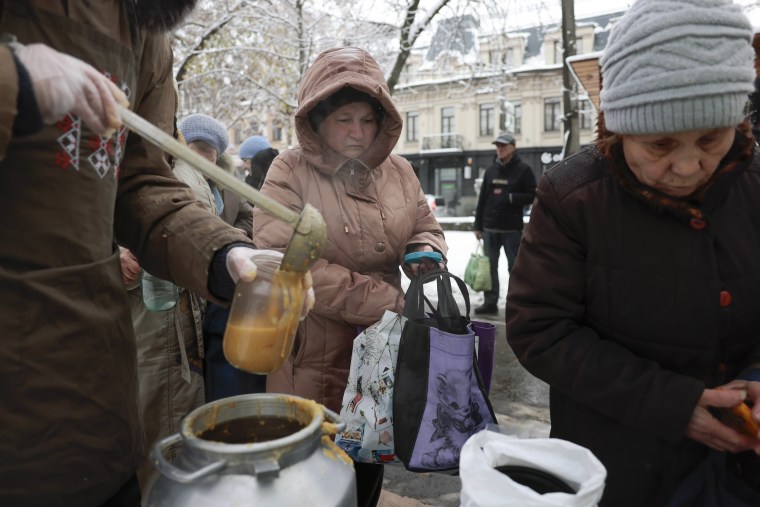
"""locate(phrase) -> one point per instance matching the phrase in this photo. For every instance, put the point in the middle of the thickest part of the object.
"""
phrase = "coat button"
(697, 224)
(721, 367)
(380, 247)
(725, 298)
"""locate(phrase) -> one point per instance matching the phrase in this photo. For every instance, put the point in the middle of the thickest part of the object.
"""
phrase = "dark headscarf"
(346, 95)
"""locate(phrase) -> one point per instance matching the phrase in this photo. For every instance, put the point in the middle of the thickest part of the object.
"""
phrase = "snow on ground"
(461, 245)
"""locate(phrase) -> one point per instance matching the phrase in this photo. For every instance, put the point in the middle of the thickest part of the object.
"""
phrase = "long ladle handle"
(224, 179)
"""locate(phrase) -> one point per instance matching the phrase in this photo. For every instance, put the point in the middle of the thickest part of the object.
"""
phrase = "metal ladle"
(310, 232)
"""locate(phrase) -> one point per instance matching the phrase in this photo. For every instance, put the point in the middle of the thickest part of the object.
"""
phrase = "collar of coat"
(705, 199)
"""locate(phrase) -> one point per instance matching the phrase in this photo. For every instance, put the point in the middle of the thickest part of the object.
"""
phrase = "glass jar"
(264, 318)
(158, 294)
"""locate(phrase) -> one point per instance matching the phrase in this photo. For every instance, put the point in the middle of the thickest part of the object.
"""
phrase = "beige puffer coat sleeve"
(342, 294)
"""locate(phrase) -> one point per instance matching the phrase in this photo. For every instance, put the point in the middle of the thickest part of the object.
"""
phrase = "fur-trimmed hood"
(162, 15)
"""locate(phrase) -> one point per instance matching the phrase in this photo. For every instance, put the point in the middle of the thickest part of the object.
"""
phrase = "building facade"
(456, 98)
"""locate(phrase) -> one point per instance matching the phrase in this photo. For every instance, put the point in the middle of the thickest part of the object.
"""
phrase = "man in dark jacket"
(508, 185)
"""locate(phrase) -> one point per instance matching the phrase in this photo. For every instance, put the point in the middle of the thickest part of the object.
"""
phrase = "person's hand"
(752, 389)
(479, 235)
(241, 264)
(130, 268)
(706, 429)
(63, 83)
(425, 265)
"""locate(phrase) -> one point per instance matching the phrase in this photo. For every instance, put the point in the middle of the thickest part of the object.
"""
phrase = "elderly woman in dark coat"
(635, 291)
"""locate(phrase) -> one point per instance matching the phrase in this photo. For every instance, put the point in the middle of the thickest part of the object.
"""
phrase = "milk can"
(255, 449)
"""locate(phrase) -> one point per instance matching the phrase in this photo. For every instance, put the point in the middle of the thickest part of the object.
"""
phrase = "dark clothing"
(369, 483)
(493, 243)
(221, 379)
(629, 303)
(505, 190)
(128, 496)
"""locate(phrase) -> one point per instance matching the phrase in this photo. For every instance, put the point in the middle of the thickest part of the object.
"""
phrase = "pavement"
(521, 404)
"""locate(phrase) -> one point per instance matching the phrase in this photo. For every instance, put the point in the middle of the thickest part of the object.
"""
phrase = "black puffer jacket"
(629, 309)
(506, 189)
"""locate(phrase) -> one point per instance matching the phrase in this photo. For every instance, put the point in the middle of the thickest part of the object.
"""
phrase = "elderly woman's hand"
(425, 264)
(130, 268)
(705, 428)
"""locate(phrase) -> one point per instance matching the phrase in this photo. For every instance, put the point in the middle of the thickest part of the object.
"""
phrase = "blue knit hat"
(199, 127)
(252, 146)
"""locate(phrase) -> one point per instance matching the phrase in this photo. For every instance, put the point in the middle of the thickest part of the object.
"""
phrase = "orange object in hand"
(743, 412)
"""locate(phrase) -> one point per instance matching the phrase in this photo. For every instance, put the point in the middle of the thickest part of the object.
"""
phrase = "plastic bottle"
(158, 294)
(264, 318)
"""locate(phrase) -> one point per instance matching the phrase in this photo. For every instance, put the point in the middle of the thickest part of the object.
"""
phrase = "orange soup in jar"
(264, 318)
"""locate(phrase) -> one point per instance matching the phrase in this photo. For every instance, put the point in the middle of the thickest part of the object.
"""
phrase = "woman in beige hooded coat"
(375, 211)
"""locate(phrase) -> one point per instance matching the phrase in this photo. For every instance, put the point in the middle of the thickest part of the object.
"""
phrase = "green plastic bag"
(477, 274)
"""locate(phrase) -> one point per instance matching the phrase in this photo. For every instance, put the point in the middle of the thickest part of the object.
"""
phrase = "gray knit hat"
(199, 127)
(676, 65)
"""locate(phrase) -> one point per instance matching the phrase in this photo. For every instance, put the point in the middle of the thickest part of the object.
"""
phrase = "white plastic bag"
(367, 407)
(484, 486)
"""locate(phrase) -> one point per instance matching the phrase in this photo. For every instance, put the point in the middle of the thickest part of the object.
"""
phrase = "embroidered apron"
(71, 431)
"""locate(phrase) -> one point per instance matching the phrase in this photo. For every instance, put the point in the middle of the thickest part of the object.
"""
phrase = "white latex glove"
(241, 264)
(64, 84)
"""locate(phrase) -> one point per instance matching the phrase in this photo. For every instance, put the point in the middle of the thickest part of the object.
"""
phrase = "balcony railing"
(442, 142)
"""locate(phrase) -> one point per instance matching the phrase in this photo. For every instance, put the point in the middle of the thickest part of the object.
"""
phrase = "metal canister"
(223, 462)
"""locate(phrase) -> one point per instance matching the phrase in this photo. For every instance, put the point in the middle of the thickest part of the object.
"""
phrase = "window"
(552, 114)
(486, 119)
(276, 133)
(518, 118)
(412, 126)
(584, 114)
(510, 119)
(448, 127)
(558, 51)
(511, 57)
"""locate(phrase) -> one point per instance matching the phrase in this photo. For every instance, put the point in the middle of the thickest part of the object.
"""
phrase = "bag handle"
(414, 305)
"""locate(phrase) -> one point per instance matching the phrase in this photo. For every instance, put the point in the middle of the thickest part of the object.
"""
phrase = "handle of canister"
(332, 417)
(174, 473)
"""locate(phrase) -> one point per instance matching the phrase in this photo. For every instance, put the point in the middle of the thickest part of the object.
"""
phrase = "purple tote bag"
(439, 399)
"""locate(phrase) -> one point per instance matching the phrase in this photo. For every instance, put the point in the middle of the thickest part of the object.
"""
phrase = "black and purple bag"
(439, 398)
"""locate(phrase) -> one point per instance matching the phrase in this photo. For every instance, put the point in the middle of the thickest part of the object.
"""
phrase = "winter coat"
(505, 190)
(236, 211)
(170, 350)
(374, 209)
(629, 304)
(70, 432)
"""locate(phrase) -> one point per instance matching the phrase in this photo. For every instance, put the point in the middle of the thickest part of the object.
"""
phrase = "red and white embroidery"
(71, 126)
(105, 152)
